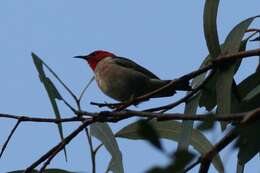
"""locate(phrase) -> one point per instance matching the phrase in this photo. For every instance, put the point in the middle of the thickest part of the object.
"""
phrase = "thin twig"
(190, 167)
(97, 148)
(42, 120)
(207, 158)
(85, 88)
(9, 137)
(59, 146)
(92, 151)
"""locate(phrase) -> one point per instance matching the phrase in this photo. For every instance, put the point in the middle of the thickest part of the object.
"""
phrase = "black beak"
(81, 57)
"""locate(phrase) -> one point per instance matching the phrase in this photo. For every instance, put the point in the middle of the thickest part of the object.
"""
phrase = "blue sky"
(164, 36)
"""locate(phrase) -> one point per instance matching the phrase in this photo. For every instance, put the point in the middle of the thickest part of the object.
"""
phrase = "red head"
(94, 57)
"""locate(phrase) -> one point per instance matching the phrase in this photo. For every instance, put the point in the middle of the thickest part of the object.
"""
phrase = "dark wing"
(131, 64)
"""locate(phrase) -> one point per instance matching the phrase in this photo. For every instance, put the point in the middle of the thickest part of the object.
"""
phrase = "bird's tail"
(171, 90)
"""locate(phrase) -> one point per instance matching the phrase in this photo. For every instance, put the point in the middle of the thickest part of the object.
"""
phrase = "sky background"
(164, 36)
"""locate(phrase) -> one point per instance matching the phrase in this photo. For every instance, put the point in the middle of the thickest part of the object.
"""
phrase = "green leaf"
(225, 74)
(210, 27)
(248, 105)
(191, 108)
(147, 131)
(46, 171)
(249, 141)
(253, 93)
(52, 93)
(103, 133)
(248, 84)
(187, 126)
(180, 161)
(171, 130)
(182, 158)
(208, 97)
(208, 94)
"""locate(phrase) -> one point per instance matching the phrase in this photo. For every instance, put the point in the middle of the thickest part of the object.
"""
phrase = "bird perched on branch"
(123, 80)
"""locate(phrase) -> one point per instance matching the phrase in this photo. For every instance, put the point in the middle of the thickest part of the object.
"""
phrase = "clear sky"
(164, 36)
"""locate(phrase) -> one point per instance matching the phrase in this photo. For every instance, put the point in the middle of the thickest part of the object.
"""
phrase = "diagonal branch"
(228, 138)
(56, 149)
(9, 137)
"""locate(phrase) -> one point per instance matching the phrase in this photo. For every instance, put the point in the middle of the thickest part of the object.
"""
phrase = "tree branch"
(233, 134)
(9, 137)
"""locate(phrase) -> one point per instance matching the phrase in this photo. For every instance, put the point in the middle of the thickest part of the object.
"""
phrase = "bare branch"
(9, 137)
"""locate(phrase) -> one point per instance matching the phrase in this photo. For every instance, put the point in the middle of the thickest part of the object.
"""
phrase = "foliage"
(215, 89)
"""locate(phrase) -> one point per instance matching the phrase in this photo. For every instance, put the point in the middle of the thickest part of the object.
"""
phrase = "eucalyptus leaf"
(210, 27)
(248, 105)
(208, 97)
(52, 93)
(225, 74)
(249, 141)
(171, 130)
(147, 131)
(253, 93)
(180, 160)
(104, 133)
(191, 108)
(248, 84)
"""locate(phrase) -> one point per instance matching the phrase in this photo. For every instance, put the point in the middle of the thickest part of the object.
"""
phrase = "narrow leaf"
(253, 93)
(225, 74)
(86, 87)
(180, 161)
(147, 131)
(191, 108)
(210, 27)
(208, 97)
(249, 141)
(52, 93)
(171, 130)
(104, 133)
(249, 84)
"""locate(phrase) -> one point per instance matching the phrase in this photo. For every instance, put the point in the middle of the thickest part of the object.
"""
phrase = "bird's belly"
(115, 88)
(118, 84)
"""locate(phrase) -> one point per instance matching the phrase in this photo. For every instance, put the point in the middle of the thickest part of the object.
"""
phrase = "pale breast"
(118, 82)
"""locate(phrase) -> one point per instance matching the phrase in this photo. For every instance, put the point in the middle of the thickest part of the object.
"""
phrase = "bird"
(124, 80)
